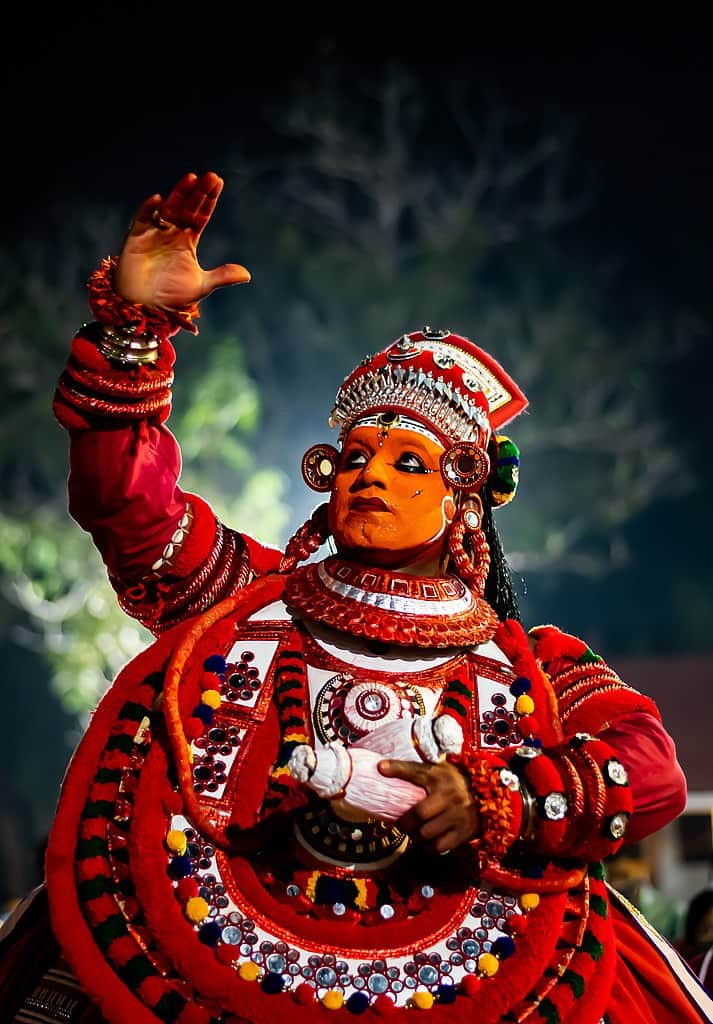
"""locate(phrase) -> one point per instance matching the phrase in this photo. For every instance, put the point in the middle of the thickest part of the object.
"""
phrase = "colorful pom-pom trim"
(332, 1000)
(249, 971)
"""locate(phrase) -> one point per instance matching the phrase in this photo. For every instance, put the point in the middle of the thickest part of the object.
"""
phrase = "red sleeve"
(657, 781)
(123, 490)
(167, 555)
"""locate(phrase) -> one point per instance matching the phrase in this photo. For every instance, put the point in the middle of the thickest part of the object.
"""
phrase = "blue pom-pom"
(204, 712)
(209, 933)
(519, 686)
(531, 742)
(332, 890)
(180, 867)
(503, 947)
(446, 993)
(533, 871)
(215, 663)
(272, 983)
(357, 1002)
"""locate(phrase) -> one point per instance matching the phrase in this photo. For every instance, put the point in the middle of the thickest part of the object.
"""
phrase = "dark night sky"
(112, 101)
(117, 102)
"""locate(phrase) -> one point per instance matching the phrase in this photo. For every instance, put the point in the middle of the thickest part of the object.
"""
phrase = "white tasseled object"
(370, 791)
(448, 733)
(325, 770)
(353, 775)
(415, 739)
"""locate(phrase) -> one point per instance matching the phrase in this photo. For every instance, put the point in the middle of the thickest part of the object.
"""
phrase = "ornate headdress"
(443, 385)
(440, 379)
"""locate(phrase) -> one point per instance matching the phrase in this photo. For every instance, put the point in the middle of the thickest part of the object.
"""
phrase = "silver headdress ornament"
(437, 377)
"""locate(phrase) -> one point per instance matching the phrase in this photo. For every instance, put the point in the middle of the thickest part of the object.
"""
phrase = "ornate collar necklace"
(392, 607)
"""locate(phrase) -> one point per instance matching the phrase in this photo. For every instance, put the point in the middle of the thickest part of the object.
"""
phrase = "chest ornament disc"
(347, 709)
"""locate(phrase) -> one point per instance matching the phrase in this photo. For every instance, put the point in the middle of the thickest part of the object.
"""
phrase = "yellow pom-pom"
(332, 999)
(529, 900)
(211, 698)
(524, 705)
(488, 964)
(249, 971)
(196, 909)
(422, 999)
(189, 753)
(176, 841)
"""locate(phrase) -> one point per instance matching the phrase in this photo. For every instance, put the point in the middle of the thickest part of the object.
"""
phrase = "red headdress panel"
(440, 379)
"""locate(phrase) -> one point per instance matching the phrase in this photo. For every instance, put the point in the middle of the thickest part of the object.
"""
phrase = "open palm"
(159, 264)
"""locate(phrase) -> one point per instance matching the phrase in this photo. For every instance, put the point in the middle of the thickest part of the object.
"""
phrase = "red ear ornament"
(464, 466)
(319, 467)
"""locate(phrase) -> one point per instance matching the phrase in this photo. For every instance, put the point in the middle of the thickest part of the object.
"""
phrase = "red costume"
(225, 849)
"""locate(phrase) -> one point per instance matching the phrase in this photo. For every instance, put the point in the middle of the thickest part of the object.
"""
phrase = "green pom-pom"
(505, 471)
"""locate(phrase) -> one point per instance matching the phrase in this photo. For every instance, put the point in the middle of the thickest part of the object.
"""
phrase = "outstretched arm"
(114, 397)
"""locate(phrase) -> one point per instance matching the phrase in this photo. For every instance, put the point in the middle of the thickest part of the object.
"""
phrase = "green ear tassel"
(505, 472)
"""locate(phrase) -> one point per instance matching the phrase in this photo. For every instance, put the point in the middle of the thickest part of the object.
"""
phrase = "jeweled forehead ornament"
(437, 378)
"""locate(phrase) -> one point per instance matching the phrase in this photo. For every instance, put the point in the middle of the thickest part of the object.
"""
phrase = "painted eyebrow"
(418, 449)
(416, 446)
(356, 443)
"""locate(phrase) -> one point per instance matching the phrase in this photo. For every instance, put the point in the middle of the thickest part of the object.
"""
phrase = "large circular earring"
(464, 466)
(468, 546)
(319, 467)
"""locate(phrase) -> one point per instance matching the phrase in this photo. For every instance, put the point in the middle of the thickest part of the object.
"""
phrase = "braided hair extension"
(499, 591)
(308, 539)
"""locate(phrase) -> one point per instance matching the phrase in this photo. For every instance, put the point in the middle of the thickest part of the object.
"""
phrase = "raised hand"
(158, 265)
(447, 816)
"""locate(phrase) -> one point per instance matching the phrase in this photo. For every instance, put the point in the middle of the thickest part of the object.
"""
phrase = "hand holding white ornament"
(350, 776)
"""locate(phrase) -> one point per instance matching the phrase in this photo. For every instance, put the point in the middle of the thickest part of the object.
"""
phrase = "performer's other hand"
(447, 816)
(158, 265)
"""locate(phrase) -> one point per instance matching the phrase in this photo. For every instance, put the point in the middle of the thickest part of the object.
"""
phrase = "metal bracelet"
(527, 828)
(124, 345)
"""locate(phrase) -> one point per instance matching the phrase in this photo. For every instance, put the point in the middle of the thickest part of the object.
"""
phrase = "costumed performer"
(348, 785)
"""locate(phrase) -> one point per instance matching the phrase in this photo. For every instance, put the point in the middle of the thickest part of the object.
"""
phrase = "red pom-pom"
(528, 726)
(152, 988)
(470, 985)
(304, 994)
(384, 1006)
(517, 924)
(227, 953)
(193, 728)
(186, 889)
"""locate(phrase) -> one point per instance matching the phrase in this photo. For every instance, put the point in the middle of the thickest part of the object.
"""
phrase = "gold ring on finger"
(158, 221)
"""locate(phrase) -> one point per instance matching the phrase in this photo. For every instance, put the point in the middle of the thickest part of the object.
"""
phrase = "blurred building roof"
(682, 687)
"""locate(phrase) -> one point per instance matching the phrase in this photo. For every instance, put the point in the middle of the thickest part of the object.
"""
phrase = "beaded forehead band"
(386, 421)
(440, 379)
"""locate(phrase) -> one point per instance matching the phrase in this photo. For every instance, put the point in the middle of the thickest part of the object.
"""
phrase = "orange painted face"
(390, 505)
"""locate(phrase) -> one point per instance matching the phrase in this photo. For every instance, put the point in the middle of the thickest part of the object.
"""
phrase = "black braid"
(499, 590)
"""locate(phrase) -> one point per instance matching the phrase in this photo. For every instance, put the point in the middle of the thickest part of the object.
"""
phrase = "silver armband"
(124, 345)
